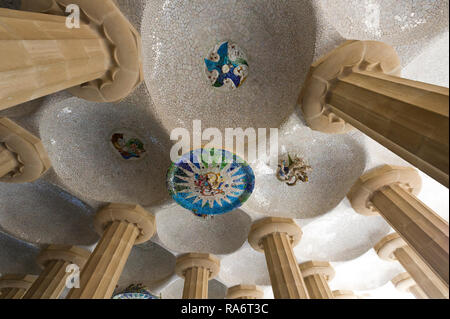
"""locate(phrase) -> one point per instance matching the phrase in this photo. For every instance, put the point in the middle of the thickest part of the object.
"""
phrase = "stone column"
(404, 283)
(276, 237)
(197, 269)
(316, 275)
(357, 85)
(8, 162)
(245, 292)
(390, 191)
(344, 294)
(14, 286)
(393, 247)
(22, 156)
(121, 226)
(40, 54)
(54, 260)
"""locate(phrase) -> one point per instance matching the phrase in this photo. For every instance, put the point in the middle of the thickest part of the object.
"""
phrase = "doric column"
(344, 294)
(316, 275)
(276, 237)
(39, 54)
(357, 85)
(22, 156)
(197, 269)
(393, 247)
(245, 292)
(14, 286)
(121, 226)
(54, 260)
(390, 191)
(404, 283)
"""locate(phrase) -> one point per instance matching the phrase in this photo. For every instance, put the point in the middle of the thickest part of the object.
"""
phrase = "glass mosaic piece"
(226, 66)
(293, 170)
(128, 145)
(135, 291)
(210, 181)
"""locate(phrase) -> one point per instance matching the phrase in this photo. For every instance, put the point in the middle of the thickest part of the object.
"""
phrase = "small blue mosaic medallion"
(226, 66)
(135, 291)
(210, 181)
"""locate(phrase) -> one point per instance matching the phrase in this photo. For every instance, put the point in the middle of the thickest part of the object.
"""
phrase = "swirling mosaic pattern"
(226, 66)
(210, 181)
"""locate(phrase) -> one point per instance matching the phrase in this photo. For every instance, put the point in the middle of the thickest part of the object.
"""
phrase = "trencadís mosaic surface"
(210, 181)
(128, 145)
(226, 66)
(135, 291)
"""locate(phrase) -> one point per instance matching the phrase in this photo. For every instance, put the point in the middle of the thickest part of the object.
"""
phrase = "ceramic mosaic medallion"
(210, 181)
(135, 292)
(127, 144)
(293, 170)
(226, 66)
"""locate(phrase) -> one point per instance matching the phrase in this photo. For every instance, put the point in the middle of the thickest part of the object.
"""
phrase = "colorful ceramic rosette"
(135, 292)
(226, 66)
(128, 145)
(210, 181)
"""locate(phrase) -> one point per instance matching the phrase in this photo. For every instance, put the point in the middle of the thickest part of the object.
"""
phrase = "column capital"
(200, 260)
(386, 247)
(361, 193)
(403, 281)
(17, 281)
(125, 68)
(269, 225)
(344, 294)
(245, 291)
(70, 254)
(366, 55)
(323, 268)
(27, 148)
(133, 214)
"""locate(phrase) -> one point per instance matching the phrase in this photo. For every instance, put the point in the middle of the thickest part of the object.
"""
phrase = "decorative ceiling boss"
(210, 181)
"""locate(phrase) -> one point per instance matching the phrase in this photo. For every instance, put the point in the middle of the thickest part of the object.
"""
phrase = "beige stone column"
(404, 283)
(276, 237)
(197, 269)
(14, 286)
(393, 247)
(357, 85)
(39, 54)
(344, 294)
(390, 191)
(22, 156)
(54, 260)
(316, 275)
(121, 226)
(8, 162)
(245, 292)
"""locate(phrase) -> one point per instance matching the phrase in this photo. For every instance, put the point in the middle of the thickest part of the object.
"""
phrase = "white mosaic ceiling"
(281, 39)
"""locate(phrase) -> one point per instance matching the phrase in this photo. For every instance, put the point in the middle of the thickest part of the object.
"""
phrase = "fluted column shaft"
(318, 287)
(39, 55)
(408, 117)
(51, 282)
(426, 279)
(196, 283)
(14, 286)
(101, 273)
(418, 292)
(8, 161)
(12, 293)
(423, 230)
(287, 281)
